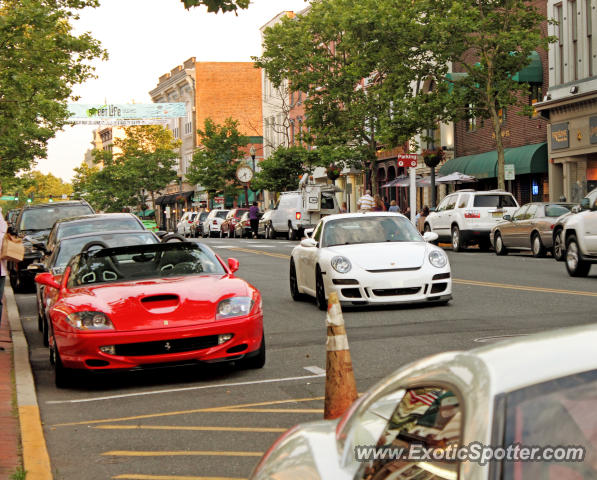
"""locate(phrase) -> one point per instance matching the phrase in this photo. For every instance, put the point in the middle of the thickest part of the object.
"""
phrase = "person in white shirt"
(366, 202)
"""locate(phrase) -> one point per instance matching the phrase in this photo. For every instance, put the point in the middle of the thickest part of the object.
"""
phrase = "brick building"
(216, 90)
(524, 138)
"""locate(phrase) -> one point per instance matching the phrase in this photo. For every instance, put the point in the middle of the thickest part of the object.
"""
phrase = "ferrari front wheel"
(258, 360)
(63, 377)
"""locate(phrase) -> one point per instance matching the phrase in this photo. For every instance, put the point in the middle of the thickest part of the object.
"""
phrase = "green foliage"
(216, 5)
(35, 183)
(147, 162)
(491, 40)
(282, 170)
(363, 65)
(19, 474)
(214, 164)
(40, 61)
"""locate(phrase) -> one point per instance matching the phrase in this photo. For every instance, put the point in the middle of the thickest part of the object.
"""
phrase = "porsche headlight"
(234, 307)
(92, 321)
(437, 258)
(341, 264)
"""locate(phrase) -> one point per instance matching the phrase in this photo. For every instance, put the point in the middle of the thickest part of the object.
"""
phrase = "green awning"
(527, 159)
(145, 213)
(533, 72)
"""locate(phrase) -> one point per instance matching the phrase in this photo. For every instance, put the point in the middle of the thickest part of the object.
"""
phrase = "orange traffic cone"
(340, 385)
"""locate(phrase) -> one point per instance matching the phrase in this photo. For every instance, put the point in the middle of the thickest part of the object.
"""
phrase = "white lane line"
(255, 245)
(185, 389)
(315, 370)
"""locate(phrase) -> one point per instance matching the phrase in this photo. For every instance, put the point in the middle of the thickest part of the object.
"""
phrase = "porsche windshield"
(164, 260)
(369, 229)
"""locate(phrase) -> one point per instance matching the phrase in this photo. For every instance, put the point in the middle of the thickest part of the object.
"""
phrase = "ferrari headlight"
(437, 258)
(234, 307)
(341, 264)
(92, 321)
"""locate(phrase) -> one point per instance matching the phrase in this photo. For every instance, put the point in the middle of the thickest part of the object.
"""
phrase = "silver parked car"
(537, 391)
(529, 228)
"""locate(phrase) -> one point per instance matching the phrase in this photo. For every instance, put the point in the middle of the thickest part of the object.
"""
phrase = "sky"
(145, 39)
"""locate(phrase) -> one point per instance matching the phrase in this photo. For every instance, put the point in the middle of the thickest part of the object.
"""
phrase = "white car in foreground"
(370, 258)
(531, 398)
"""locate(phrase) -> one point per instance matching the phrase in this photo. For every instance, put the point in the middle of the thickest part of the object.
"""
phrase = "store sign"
(407, 160)
(125, 114)
(559, 136)
(218, 202)
(593, 129)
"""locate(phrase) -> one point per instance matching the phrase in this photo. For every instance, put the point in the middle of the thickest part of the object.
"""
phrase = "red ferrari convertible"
(149, 305)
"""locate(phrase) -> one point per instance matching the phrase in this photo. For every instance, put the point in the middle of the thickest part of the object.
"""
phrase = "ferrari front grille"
(162, 347)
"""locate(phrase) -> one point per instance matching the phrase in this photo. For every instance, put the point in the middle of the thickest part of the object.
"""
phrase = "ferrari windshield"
(164, 260)
(369, 229)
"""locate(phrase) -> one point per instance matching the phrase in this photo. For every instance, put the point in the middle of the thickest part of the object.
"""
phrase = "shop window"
(535, 95)
(471, 121)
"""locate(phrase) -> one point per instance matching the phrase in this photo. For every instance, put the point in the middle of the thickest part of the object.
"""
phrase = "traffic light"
(51, 199)
(16, 197)
(30, 199)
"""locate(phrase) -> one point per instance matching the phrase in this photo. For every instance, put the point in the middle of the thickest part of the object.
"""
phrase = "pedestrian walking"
(378, 204)
(393, 207)
(3, 269)
(366, 202)
(254, 218)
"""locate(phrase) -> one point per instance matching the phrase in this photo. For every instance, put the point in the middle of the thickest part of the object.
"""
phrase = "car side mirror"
(308, 232)
(47, 279)
(430, 237)
(36, 267)
(233, 264)
(507, 217)
(308, 243)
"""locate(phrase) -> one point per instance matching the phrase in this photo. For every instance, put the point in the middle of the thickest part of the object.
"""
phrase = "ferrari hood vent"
(160, 298)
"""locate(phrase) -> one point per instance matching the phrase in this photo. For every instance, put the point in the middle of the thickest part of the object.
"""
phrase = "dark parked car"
(33, 225)
(11, 217)
(233, 217)
(67, 247)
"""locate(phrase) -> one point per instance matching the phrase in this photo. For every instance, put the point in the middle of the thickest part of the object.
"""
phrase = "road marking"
(495, 338)
(184, 389)
(315, 370)
(180, 453)
(460, 281)
(228, 408)
(135, 476)
(273, 410)
(523, 287)
(193, 428)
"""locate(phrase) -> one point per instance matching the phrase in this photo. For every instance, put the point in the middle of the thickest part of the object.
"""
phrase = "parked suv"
(33, 225)
(211, 225)
(183, 227)
(467, 217)
(197, 225)
(296, 211)
(559, 242)
(580, 236)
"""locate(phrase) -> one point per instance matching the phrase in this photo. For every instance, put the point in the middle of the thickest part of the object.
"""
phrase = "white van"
(296, 211)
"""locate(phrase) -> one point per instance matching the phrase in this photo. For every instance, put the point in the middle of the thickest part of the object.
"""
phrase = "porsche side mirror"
(233, 264)
(308, 242)
(308, 232)
(36, 267)
(507, 217)
(430, 237)
(47, 279)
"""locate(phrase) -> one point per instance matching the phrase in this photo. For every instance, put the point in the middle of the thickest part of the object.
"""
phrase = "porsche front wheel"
(294, 291)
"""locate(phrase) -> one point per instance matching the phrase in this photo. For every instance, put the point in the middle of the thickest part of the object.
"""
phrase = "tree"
(217, 5)
(282, 170)
(362, 68)
(215, 162)
(40, 61)
(491, 41)
(147, 161)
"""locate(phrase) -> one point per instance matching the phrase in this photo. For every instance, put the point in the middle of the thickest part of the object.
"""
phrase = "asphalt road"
(215, 422)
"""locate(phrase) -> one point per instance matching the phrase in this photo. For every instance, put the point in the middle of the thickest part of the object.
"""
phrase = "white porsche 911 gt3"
(370, 258)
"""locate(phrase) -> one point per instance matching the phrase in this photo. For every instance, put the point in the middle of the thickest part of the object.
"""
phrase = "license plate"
(497, 214)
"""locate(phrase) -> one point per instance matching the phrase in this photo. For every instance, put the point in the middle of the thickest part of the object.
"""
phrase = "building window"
(292, 98)
(431, 134)
(300, 131)
(559, 14)
(188, 125)
(535, 95)
(291, 132)
(299, 99)
(589, 15)
(574, 27)
(502, 115)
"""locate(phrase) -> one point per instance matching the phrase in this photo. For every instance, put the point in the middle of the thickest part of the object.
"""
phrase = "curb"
(36, 461)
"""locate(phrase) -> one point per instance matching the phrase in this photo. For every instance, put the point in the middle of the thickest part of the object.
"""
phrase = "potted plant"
(433, 158)
(333, 171)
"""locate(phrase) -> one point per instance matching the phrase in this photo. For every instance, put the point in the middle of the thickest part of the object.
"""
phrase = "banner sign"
(559, 136)
(125, 114)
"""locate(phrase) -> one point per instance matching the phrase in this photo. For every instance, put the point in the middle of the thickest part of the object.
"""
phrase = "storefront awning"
(145, 213)
(527, 159)
(533, 72)
(170, 199)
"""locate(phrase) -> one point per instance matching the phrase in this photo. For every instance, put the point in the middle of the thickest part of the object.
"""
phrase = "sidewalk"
(10, 442)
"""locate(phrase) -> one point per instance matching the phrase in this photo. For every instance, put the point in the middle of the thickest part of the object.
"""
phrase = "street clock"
(244, 173)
